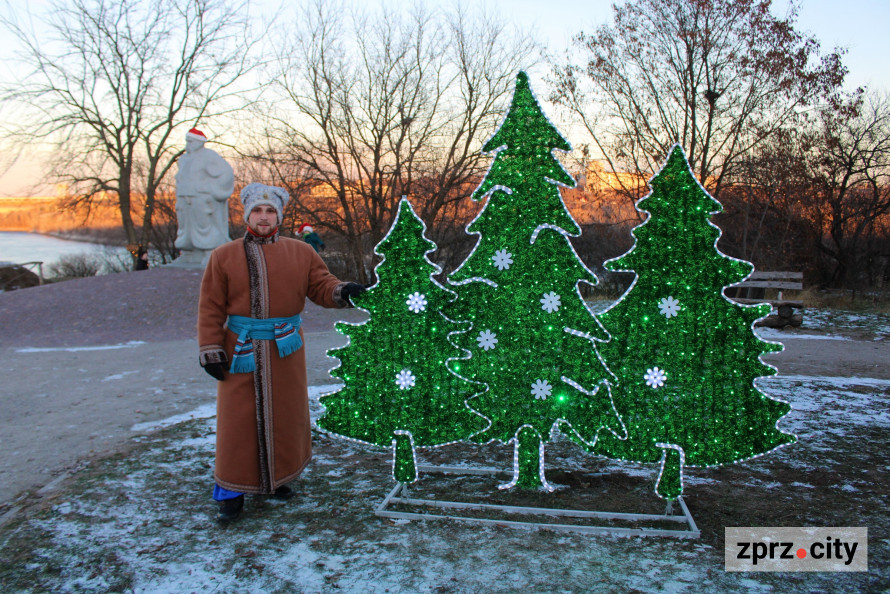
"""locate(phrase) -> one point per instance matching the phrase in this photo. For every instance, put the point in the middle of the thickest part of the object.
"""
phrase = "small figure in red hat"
(308, 234)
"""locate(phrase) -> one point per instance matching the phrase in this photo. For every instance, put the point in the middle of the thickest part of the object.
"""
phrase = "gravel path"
(152, 305)
(156, 305)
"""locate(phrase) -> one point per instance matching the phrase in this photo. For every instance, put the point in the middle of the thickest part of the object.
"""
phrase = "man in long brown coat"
(250, 340)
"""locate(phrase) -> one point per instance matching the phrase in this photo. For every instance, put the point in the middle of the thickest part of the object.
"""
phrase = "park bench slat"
(773, 302)
(769, 284)
(795, 276)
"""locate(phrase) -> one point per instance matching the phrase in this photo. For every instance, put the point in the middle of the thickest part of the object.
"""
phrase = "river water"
(20, 247)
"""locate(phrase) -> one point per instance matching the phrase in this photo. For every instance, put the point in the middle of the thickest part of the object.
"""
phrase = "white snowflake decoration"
(405, 379)
(541, 389)
(550, 302)
(502, 259)
(416, 302)
(669, 307)
(655, 377)
(487, 340)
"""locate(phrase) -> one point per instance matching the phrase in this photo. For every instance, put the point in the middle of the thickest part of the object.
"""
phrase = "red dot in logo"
(801, 553)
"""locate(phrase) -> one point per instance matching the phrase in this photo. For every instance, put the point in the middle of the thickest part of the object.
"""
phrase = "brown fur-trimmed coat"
(263, 438)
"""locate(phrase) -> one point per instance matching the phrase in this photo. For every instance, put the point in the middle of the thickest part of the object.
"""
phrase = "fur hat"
(196, 134)
(255, 194)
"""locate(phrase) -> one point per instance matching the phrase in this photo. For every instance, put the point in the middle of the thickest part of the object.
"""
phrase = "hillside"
(47, 214)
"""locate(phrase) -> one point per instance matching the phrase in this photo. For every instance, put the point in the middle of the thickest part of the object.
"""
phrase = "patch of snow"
(774, 335)
(127, 345)
(838, 382)
(208, 439)
(208, 410)
(108, 519)
(118, 376)
(828, 404)
(205, 411)
(753, 586)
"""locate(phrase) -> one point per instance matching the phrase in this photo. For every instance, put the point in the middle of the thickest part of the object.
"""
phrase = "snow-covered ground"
(142, 520)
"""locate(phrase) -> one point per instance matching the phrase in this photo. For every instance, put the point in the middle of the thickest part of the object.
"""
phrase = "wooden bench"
(753, 290)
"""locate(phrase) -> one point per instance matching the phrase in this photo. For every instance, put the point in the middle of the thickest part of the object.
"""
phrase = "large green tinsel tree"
(532, 341)
(684, 355)
(397, 389)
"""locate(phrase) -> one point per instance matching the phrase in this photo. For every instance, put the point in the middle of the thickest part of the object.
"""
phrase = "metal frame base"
(399, 495)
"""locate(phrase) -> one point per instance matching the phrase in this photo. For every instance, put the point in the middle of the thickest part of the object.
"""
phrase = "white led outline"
(515, 441)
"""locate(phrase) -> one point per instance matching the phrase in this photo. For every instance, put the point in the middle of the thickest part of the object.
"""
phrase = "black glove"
(352, 290)
(216, 370)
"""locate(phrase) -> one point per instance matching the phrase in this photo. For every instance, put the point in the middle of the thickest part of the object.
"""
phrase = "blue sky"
(862, 26)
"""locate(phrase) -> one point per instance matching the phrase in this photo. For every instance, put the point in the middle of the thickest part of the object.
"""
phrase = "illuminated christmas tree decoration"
(521, 284)
(397, 389)
(685, 356)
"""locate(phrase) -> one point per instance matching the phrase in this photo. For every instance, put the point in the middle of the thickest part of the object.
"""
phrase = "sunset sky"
(859, 25)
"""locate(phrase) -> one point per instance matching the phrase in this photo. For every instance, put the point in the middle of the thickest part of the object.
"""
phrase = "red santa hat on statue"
(195, 134)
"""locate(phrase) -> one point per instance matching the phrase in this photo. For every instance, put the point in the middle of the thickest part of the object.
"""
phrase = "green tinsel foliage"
(404, 468)
(394, 367)
(532, 341)
(685, 357)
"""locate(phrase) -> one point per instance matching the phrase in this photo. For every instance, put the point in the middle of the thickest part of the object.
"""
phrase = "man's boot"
(283, 492)
(230, 509)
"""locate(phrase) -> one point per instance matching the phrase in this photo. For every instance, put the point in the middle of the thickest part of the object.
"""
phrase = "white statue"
(204, 183)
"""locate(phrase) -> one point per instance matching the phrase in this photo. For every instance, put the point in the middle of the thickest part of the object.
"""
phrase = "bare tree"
(108, 82)
(767, 216)
(718, 76)
(383, 104)
(852, 178)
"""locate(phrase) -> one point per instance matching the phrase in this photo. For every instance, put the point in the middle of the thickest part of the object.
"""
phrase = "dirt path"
(60, 406)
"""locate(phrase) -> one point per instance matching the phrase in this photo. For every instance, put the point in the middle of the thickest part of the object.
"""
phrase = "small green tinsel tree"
(684, 355)
(397, 389)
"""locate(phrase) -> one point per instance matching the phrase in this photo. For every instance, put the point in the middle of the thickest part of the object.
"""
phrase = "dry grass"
(876, 301)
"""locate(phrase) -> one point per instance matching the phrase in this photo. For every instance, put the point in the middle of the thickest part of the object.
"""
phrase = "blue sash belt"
(284, 331)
